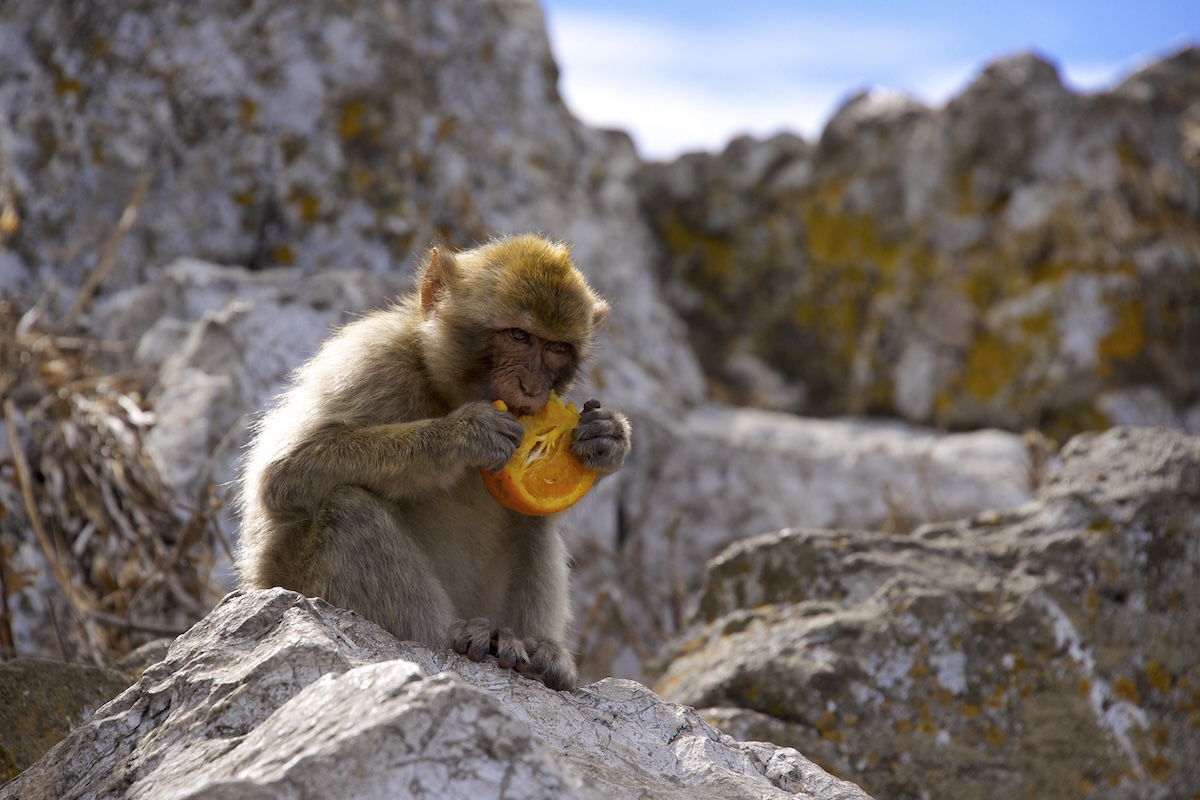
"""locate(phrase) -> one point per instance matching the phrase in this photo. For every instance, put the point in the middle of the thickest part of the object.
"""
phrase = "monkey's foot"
(538, 659)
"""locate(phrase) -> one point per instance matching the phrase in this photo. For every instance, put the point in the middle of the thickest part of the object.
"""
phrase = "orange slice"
(543, 476)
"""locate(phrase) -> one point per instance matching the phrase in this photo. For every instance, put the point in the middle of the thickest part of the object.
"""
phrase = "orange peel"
(543, 476)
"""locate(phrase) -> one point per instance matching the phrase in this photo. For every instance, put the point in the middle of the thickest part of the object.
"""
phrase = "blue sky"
(691, 75)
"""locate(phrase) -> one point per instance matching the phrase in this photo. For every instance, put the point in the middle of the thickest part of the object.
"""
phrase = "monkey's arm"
(603, 438)
(394, 461)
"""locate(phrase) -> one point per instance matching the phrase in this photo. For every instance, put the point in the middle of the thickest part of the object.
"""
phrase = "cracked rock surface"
(274, 695)
(1049, 650)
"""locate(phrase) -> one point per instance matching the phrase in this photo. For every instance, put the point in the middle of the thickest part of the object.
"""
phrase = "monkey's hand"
(538, 659)
(602, 438)
(486, 436)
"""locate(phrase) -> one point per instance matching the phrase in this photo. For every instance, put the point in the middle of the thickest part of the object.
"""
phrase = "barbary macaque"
(362, 483)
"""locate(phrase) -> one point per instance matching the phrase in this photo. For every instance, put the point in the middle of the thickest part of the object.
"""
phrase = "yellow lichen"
(1158, 768)
(827, 726)
(1125, 339)
(714, 253)
(1157, 676)
(991, 365)
(247, 111)
(1125, 688)
(351, 122)
(283, 255)
(307, 205)
(64, 85)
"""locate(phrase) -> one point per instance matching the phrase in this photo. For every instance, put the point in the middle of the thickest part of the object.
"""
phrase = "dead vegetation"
(92, 540)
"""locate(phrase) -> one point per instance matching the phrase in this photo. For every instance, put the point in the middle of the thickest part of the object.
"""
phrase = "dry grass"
(88, 513)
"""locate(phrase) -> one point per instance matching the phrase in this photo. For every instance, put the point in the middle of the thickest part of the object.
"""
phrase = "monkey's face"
(526, 364)
(508, 321)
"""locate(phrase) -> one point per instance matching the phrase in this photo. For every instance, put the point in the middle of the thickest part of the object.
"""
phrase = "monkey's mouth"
(518, 410)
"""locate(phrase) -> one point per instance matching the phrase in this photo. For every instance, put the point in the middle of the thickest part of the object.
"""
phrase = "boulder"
(1046, 650)
(223, 342)
(1006, 260)
(700, 480)
(277, 696)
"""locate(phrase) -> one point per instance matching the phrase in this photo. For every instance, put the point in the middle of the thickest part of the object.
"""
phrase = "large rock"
(700, 480)
(1007, 260)
(333, 135)
(1049, 650)
(223, 341)
(277, 696)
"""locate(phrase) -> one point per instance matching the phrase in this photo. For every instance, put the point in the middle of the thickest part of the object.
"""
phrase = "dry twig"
(126, 558)
(108, 256)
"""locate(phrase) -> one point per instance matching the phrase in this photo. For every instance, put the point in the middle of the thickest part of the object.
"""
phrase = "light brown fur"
(362, 484)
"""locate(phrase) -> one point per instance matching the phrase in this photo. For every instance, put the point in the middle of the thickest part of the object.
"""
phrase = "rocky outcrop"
(1025, 256)
(277, 696)
(1047, 650)
(700, 480)
(348, 136)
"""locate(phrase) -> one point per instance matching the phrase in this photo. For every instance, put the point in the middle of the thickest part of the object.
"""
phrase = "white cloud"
(676, 88)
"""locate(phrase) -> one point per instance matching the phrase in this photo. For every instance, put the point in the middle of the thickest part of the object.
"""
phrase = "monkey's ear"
(599, 313)
(438, 272)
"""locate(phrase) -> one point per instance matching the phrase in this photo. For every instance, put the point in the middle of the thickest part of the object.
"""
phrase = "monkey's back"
(367, 373)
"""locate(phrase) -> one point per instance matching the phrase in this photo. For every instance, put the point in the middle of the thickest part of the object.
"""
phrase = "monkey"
(361, 482)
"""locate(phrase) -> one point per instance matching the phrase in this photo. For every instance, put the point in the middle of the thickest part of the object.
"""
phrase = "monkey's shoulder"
(369, 371)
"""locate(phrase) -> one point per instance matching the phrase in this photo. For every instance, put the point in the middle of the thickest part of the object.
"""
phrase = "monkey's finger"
(591, 405)
(471, 639)
(597, 427)
(508, 427)
(510, 651)
(550, 664)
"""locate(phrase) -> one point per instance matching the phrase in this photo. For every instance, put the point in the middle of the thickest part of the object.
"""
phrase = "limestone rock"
(1002, 261)
(700, 480)
(278, 696)
(336, 135)
(1050, 649)
(223, 341)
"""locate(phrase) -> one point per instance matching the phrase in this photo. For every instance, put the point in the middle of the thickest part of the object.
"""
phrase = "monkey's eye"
(559, 348)
(518, 335)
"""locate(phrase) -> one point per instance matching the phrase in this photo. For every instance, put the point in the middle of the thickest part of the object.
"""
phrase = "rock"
(341, 135)
(1050, 649)
(703, 479)
(42, 700)
(223, 341)
(277, 696)
(1003, 261)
